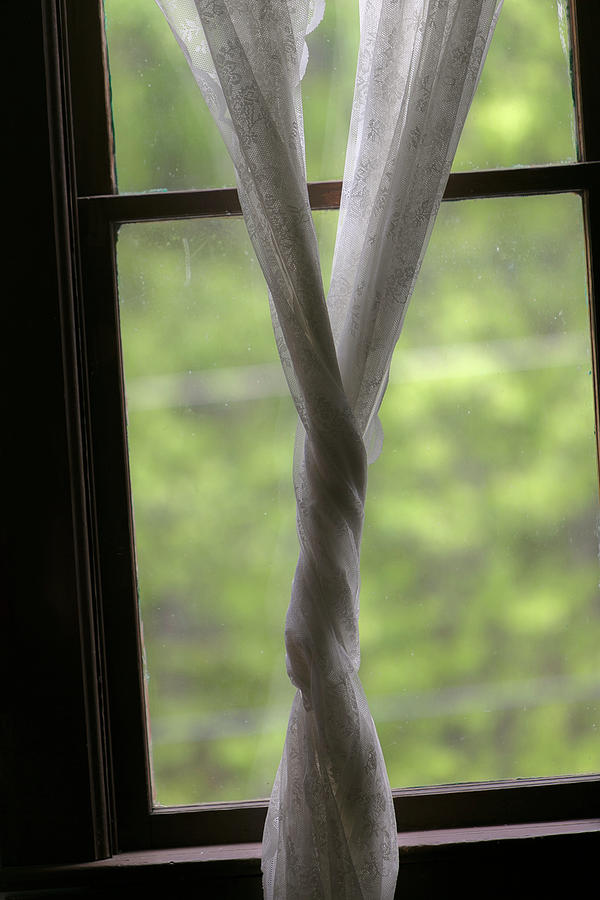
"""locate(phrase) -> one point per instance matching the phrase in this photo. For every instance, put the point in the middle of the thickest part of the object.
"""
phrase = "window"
(174, 345)
(111, 677)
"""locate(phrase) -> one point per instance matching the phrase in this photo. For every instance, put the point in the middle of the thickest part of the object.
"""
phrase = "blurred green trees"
(479, 612)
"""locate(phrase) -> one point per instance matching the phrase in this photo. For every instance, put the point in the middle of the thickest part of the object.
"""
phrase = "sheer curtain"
(330, 829)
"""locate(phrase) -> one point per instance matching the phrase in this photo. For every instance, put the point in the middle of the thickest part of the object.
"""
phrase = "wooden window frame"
(110, 813)
(140, 825)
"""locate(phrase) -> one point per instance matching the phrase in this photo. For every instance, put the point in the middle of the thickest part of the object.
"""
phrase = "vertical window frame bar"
(584, 25)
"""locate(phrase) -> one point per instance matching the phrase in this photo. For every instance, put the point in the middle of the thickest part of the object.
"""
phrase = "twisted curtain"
(330, 829)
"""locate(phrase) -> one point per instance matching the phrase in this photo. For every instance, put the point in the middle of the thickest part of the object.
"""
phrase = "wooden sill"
(240, 863)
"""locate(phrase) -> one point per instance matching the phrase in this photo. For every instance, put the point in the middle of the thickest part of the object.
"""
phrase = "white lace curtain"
(330, 829)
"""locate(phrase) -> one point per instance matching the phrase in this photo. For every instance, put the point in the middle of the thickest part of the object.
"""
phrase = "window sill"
(427, 860)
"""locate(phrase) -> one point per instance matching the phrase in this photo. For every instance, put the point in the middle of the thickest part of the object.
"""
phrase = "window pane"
(480, 620)
(522, 113)
(479, 613)
(165, 137)
(164, 134)
(211, 427)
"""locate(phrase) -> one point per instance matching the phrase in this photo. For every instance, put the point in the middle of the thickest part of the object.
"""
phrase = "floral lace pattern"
(330, 829)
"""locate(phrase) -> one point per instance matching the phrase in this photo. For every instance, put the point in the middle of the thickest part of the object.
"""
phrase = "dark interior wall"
(45, 791)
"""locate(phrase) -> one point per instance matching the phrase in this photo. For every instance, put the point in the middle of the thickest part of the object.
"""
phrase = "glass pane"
(211, 427)
(479, 614)
(166, 139)
(479, 609)
(522, 113)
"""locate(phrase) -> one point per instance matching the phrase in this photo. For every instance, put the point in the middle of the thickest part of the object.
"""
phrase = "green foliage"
(480, 620)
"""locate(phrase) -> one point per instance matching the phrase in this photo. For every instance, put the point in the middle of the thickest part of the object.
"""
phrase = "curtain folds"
(330, 829)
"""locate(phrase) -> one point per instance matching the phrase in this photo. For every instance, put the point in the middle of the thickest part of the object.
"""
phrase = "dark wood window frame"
(110, 816)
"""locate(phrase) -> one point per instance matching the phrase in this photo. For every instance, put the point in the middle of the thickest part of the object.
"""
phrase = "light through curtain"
(330, 829)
